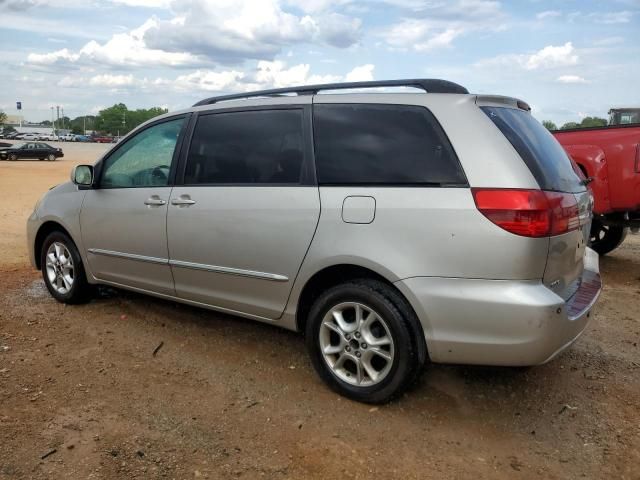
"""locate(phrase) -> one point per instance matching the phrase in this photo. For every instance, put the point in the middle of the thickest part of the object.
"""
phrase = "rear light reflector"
(528, 213)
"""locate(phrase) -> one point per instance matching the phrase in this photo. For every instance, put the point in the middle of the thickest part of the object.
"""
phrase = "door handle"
(183, 201)
(154, 201)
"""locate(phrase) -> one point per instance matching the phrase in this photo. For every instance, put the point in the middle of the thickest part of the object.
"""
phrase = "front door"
(123, 220)
(240, 225)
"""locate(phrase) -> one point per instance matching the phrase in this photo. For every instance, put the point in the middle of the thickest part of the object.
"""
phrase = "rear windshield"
(545, 157)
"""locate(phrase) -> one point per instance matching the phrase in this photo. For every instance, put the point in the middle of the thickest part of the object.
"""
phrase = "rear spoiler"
(502, 101)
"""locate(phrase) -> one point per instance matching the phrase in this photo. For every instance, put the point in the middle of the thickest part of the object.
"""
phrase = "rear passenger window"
(254, 147)
(382, 144)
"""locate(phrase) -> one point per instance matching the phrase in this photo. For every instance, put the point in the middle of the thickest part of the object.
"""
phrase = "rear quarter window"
(545, 157)
(365, 144)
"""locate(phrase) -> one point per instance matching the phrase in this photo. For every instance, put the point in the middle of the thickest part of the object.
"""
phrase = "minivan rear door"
(240, 223)
(552, 169)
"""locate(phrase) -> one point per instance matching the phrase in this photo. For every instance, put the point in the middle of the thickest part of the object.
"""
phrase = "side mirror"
(82, 175)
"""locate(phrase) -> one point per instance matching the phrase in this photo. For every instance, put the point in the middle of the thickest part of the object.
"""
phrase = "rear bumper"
(500, 322)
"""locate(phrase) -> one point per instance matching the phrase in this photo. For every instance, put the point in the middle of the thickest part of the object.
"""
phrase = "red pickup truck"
(610, 158)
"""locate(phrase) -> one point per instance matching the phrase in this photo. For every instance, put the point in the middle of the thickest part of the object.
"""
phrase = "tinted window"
(262, 146)
(145, 159)
(382, 144)
(542, 153)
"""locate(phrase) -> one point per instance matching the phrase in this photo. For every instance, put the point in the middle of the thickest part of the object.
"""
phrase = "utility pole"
(53, 121)
(58, 113)
(63, 118)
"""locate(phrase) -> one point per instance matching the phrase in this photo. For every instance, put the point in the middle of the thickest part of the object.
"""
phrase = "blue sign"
(19, 105)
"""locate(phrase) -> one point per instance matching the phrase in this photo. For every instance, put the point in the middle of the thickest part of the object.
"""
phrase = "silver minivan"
(392, 228)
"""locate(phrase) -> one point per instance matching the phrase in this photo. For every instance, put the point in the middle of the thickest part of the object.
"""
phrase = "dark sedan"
(38, 150)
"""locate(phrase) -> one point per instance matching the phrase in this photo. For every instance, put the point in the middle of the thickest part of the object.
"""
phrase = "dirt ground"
(229, 398)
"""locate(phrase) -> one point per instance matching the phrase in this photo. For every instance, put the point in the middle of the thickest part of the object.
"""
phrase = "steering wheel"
(160, 174)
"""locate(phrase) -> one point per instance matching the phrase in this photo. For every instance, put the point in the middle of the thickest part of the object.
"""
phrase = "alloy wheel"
(356, 344)
(59, 265)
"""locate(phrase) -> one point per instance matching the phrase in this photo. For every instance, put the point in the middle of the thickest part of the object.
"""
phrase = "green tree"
(119, 119)
(7, 129)
(570, 125)
(79, 124)
(3, 117)
(593, 122)
(549, 125)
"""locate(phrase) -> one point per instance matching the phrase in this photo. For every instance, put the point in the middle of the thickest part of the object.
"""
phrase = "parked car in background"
(81, 138)
(67, 137)
(29, 136)
(41, 151)
(391, 228)
(102, 139)
(610, 158)
(49, 137)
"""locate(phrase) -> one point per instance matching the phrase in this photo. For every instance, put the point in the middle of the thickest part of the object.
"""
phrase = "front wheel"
(51, 157)
(13, 157)
(62, 269)
(606, 238)
(365, 341)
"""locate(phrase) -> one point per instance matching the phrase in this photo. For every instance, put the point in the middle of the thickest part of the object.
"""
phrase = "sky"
(566, 58)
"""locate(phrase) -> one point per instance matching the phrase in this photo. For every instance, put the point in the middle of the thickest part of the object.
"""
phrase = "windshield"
(545, 157)
(19, 145)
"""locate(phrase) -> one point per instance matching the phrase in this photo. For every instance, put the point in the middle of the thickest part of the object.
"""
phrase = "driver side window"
(145, 159)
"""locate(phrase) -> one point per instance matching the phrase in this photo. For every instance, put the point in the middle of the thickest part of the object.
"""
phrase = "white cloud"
(103, 80)
(612, 17)
(362, 73)
(111, 81)
(608, 41)
(433, 25)
(548, 14)
(230, 31)
(267, 74)
(17, 5)
(144, 3)
(52, 57)
(547, 58)
(123, 49)
(571, 79)
(551, 56)
(206, 81)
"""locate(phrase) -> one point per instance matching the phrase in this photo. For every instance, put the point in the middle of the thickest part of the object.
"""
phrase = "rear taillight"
(529, 213)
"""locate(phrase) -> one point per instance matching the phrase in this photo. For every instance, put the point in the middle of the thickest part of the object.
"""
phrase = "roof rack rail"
(429, 85)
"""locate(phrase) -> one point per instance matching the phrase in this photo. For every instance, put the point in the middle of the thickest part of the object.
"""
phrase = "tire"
(606, 238)
(64, 284)
(51, 157)
(395, 359)
(41, 159)
(13, 157)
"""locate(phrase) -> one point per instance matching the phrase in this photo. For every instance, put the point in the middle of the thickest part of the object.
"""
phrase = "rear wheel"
(364, 341)
(62, 269)
(606, 238)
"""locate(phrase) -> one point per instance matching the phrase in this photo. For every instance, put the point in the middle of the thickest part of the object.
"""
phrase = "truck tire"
(606, 238)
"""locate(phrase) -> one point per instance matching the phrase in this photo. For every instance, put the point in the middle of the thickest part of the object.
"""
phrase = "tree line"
(115, 120)
(585, 123)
